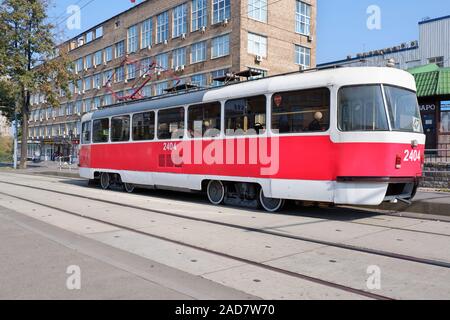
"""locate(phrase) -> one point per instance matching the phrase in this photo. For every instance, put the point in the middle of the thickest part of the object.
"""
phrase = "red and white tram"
(344, 136)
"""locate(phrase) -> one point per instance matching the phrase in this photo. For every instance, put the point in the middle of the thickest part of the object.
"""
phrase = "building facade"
(5, 126)
(433, 46)
(181, 41)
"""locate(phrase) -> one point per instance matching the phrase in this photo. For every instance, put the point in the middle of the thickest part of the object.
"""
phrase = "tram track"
(437, 263)
(315, 280)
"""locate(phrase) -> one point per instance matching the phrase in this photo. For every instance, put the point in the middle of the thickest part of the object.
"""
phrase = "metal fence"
(439, 155)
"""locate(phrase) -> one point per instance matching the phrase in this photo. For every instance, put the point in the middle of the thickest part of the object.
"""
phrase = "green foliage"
(28, 54)
(7, 99)
(6, 149)
(29, 59)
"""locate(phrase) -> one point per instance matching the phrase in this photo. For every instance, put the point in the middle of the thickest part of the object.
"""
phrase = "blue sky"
(341, 25)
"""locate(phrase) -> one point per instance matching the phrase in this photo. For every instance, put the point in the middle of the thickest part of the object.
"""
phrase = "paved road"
(313, 242)
(37, 256)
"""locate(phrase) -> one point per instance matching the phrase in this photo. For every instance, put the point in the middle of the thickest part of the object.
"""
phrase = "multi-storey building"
(5, 126)
(185, 41)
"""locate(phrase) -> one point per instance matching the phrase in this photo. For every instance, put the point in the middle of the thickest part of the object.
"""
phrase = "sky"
(341, 24)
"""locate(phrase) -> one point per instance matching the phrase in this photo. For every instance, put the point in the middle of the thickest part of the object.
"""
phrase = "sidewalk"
(427, 201)
(47, 168)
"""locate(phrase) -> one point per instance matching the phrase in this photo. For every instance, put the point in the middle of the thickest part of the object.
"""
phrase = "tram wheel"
(105, 180)
(129, 187)
(270, 204)
(215, 192)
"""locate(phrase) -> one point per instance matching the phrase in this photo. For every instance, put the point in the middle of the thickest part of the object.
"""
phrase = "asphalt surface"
(36, 258)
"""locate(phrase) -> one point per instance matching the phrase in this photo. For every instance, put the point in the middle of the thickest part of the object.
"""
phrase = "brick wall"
(436, 176)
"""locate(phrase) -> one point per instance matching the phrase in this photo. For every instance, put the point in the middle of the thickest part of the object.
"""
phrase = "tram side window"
(245, 116)
(204, 120)
(171, 124)
(86, 133)
(361, 108)
(301, 111)
(100, 131)
(144, 126)
(120, 129)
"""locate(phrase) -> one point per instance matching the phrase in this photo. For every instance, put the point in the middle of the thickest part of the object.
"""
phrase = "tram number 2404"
(412, 156)
(170, 146)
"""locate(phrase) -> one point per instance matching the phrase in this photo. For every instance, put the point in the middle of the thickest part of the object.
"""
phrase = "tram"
(349, 136)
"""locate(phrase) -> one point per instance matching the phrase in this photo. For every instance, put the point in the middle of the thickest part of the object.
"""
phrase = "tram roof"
(285, 82)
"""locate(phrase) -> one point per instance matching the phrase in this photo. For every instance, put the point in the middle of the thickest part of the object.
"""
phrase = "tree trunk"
(24, 140)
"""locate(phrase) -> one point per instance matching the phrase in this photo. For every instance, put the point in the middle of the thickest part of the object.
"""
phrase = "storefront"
(433, 91)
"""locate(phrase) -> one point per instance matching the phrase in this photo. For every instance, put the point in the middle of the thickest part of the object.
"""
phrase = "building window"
(97, 103)
(146, 91)
(199, 14)
(257, 44)
(87, 83)
(198, 52)
(303, 56)
(120, 49)
(160, 88)
(199, 80)
(131, 71)
(146, 64)
(78, 107)
(87, 105)
(119, 74)
(79, 86)
(107, 77)
(88, 61)
(108, 54)
(120, 129)
(445, 116)
(303, 18)
(179, 20)
(98, 58)
(108, 100)
(179, 58)
(98, 32)
(257, 9)
(245, 116)
(144, 126)
(204, 120)
(97, 79)
(162, 61)
(79, 65)
(301, 111)
(221, 10)
(132, 39)
(147, 34)
(171, 124)
(439, 61)
(162, 27)
(100, 131)
(220, 46)
(217, 74)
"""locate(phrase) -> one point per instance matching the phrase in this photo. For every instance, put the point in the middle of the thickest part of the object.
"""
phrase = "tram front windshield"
(363, 108)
